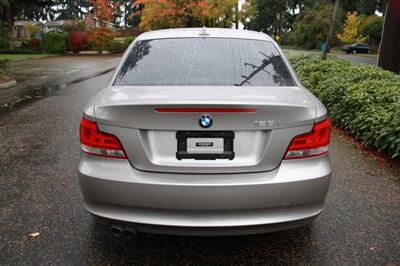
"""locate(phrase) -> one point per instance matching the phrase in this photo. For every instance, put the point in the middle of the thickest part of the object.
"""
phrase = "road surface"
(39, 153)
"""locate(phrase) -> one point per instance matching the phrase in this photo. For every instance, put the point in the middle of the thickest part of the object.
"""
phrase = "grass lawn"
(23, 56)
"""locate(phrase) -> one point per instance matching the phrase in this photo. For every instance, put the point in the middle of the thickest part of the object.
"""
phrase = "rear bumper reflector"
(103, 152)
(306, 153)
(204, 110)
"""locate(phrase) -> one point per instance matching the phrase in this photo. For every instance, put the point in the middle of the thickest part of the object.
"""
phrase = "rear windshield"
(204, 62)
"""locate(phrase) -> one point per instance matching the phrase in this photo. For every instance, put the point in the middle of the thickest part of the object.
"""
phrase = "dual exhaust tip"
(119, 229)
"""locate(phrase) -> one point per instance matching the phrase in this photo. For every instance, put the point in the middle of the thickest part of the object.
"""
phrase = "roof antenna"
(204, 32)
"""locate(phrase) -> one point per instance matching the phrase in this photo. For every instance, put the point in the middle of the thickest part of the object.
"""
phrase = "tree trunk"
(389, 49)
(280, 25)
(8, 17)
(331, 29)
(125, 16)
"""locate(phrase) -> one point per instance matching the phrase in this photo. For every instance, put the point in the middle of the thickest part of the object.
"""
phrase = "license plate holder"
(219, 143)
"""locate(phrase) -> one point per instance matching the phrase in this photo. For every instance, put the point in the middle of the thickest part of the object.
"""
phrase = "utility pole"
(389, 48)
(331, 29)
(237, 15)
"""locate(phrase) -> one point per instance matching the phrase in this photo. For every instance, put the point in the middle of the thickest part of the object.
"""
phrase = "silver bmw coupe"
(204, 132)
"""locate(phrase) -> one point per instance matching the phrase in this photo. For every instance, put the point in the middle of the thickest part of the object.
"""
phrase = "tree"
(128, 12)
(366, 7)
(32, 29)
(26, 9)
(103, 10)
(311, 26)
(389, 50)
(159, 14)
(372, 26)
(265, 15)
(351, 33)
(71, 9)
(248, 13)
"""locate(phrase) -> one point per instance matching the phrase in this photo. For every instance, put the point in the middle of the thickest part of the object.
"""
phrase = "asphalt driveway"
(39, 153)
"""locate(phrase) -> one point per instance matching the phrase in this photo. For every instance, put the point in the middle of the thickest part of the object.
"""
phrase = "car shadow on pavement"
(286, 247)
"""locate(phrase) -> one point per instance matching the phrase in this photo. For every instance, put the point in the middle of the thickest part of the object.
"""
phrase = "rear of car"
(205, 132)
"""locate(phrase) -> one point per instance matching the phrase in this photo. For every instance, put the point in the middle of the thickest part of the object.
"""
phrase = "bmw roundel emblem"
(205, 121)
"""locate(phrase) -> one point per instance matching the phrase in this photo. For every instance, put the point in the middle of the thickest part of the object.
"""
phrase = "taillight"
(310, 144)
(98, 143)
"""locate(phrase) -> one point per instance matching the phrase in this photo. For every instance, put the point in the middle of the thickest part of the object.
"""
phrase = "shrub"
(129, 40)
(364, 100)
(55, 43)
(78, 41)
(4, 36)
(4, 67)
(118, 46)
(33, 44)
(18, 51)
(100, 38)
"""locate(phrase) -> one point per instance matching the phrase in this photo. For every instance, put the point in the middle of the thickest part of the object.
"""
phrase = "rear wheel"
(354, 51)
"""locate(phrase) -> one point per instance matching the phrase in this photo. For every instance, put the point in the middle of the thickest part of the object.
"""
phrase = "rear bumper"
(289, 196)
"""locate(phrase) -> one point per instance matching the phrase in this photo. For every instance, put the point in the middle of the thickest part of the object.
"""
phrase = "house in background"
(89, 20)
(93, 22)
(21, 29)
(56, 25)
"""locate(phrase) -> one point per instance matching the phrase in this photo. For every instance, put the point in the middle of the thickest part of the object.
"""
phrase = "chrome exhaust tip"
(117, 229)
(130, 232)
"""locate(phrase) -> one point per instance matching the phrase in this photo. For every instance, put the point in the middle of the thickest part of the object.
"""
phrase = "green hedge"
(119, 45)
(55, 43)
(364, 100)
(19, 51)
(4, 67)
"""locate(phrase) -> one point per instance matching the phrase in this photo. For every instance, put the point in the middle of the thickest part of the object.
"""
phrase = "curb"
(8, 84)
(32, 58)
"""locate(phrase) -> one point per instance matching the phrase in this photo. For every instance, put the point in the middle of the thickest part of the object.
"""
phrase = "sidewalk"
(41, 77)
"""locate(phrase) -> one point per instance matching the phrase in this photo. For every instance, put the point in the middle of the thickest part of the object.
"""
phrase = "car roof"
(204, 32)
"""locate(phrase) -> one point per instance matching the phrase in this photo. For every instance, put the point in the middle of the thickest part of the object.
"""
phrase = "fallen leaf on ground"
(35, 234)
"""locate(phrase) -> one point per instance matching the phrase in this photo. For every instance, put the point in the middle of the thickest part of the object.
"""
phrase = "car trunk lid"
(147, 120)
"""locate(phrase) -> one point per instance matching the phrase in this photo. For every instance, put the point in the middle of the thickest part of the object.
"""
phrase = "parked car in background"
(355, 48)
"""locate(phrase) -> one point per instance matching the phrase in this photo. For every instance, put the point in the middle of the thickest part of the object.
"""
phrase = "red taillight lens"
(95, 142)
(311, 144)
